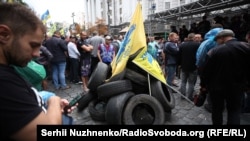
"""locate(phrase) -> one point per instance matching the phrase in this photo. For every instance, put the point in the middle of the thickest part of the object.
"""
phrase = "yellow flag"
(134, 40)
(146, 62)
(10, 1)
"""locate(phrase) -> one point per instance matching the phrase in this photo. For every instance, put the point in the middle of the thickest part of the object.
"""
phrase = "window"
(182, 2)
(120, 2)
(167, 5)
(110, 13)
(102, 5)
(120, 11)
(102, 14)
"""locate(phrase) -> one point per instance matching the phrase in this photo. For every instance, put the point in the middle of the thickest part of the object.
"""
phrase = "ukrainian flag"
(45, 16)
(147, 62)
(134, 40)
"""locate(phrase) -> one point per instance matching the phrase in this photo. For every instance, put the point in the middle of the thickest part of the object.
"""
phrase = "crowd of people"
(76, 57)
(219, 56)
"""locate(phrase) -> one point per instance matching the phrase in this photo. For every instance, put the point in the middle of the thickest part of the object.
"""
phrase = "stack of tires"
(130, 98)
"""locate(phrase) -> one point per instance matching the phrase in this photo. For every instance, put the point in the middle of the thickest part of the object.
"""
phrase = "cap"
(224, 33)
(108, 37)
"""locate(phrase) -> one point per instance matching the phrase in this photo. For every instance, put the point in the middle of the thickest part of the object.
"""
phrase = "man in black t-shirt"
(85, 59)
(22, 109)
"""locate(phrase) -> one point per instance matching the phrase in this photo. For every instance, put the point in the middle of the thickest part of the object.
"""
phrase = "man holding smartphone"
(22, 108)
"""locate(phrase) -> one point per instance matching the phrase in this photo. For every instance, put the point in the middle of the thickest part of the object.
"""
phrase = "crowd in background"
(186, 53)
(220, 59)
(183, 54)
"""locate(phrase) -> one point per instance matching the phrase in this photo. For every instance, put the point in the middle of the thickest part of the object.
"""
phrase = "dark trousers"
(233, 98)
(246, 103)
(94, 62)
(74, 70)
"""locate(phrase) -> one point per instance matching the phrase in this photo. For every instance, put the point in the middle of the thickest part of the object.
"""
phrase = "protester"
(151, 47)
(198, 38)
(201, 53)
(226, 74)
(22, 109)
(95, 41)
(246, 99)
(44, 59)
(59, 50)
(85, 50)
(116, 43)
(171, 52)
(74, 59)
(106, 51)
(187, 53)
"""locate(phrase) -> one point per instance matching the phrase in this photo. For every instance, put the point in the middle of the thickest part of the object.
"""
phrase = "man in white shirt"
(74, 57)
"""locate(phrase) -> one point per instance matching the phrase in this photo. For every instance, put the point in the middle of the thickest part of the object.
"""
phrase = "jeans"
(58, 74)
(67, 120)
(188, 79)
(170, 70)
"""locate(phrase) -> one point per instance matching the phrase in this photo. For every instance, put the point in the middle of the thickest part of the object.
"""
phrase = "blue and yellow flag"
(45, 16)
(147, 62)
(134, 40)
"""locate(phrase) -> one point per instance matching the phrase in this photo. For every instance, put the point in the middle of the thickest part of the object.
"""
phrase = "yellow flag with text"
(134, 40)
(147, 62)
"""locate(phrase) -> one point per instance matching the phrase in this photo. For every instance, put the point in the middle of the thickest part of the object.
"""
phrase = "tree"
(75, 29)
(100, 26)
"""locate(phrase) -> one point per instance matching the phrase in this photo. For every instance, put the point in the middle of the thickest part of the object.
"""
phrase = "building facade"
(159, 15)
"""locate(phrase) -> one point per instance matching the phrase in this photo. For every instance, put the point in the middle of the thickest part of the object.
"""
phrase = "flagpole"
(149, 85)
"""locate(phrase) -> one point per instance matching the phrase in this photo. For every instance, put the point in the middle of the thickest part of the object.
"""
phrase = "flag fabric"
(147, 62)
(45, 16)
(134, 40)
(10, 1)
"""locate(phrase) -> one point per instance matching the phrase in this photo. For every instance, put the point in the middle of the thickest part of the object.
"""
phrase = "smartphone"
(72, 103)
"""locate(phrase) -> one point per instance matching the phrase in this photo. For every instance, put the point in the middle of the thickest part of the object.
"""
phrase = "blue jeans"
(58, 74)
(170, 70)
(67, 120)
(188, 79)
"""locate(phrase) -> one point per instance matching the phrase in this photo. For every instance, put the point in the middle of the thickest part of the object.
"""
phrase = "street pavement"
(184, 112)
